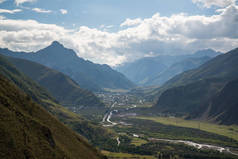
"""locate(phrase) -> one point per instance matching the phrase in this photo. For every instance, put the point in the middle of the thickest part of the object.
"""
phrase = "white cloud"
(131, 22)
(39, 10)
(28, 35)
(10, 11)
(217, 3)
(18, 2)
(106, 27)
(177, 34)
(63, 11)
(202, 27)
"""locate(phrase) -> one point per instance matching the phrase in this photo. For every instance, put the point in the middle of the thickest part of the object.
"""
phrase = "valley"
(135, 130)
(182, 119)
(118, 79)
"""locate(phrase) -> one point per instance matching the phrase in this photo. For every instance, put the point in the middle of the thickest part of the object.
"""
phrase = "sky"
(118, 31)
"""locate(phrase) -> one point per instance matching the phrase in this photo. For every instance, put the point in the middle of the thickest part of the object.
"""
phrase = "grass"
(112, 155)
(29, 131)
(149, 105)
(138, 141)
(228, 131)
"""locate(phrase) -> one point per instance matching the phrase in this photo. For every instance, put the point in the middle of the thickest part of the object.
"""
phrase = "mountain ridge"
(193, 90)
(146, 71)
(64, 89)
(88, 75)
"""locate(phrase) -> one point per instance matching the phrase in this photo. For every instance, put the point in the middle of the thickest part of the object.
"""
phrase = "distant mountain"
(140, 71)
(177, 68)
(207, 52)
(188, 92)
(87, 74)
(64, 89)
(29, 131)
(157, 70)
(222, 67)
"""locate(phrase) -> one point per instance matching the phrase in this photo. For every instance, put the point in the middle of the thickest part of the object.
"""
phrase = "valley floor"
(229, 131)
(113, 155)
(136, 130)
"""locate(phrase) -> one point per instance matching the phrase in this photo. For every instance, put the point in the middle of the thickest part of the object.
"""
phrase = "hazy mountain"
(64, 89)
(207, 52)
(87, 74)
(156, 70)
(223, 67)
(188, 92)
(177, 68)
(29, 131)
(139, 71)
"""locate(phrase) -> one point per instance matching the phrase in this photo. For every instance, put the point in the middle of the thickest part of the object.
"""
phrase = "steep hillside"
(184, 100)
(223, 107)
(31, 88)
(64, 89)
(97, 135)
(190, 91)
(157, 70)
(28, 131)
(87, 74)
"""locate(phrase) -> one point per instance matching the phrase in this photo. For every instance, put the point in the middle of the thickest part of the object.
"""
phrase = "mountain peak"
(56, 44)
(207, 52)
(58, 50)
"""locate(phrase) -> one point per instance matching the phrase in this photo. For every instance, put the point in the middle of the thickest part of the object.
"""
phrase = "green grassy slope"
(93, 132)
(28, 131)
(64, 89)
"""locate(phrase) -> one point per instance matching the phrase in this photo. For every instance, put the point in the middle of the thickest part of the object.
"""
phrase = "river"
(106, 119)
(109, 123)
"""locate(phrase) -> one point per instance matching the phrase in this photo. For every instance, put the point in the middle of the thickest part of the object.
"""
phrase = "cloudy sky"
(118, 31)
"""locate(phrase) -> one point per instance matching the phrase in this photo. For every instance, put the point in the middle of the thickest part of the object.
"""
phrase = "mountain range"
(199, 91)
(87, 74)
(157, 70)
(62, 87)
(34, 124)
